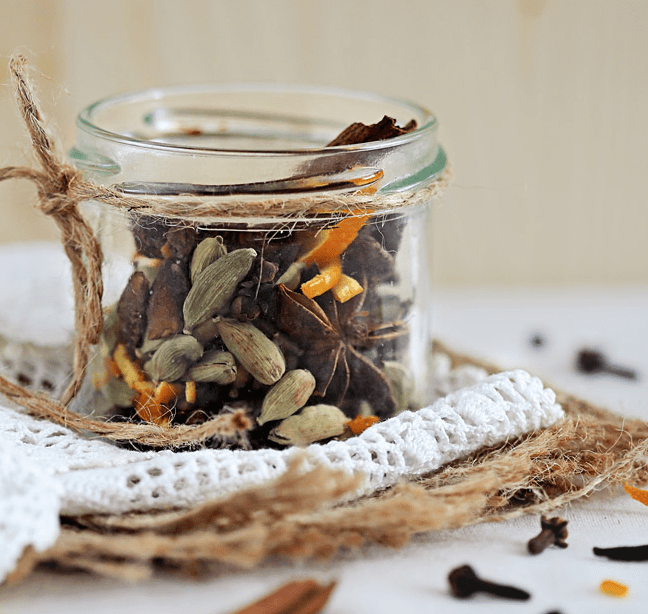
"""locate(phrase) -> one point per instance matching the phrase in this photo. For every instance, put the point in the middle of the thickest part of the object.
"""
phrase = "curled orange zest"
(147, 408)
(361, 423)
(130, 370)
(329, 276)
(346, 289)
(614, 589)
(637, 493)
(333, 241)
(190, 392)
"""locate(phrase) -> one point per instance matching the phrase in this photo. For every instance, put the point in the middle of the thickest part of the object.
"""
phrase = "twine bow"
(57, 198)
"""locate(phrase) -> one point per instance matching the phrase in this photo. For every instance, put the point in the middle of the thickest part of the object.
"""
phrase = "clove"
(624, 553)
(464, 582)
(593, 361)
(553, 533)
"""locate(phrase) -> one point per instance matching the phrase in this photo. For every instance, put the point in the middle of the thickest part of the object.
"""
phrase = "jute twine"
(305, 514)
(61, 188)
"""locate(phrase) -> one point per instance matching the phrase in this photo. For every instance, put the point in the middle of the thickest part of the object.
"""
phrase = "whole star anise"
(329, 334)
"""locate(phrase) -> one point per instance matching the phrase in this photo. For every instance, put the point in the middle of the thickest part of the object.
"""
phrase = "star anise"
(329, 335)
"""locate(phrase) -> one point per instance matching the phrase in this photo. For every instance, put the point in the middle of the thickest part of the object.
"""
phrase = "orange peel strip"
(346, 289)
(614, 589)
(637, 493)
(360, 424)
(129, 370)
(190, 392)
(146, 406)
(329, 276)
(333, 241)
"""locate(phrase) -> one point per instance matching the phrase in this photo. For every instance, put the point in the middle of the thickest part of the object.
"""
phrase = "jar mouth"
(206, 119)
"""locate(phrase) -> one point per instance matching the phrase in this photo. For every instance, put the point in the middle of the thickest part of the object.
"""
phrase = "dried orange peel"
(328, 277)
(331, 242)
(150, 402)
(346, 288)
(190, 392)
(637, 493)
(360, 424)
(325, 252)
(129, 370)
(614, 589)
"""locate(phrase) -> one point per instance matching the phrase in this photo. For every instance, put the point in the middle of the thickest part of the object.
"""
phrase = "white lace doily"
(47, 470)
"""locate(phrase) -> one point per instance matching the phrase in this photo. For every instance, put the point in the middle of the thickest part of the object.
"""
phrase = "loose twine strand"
(61, 188)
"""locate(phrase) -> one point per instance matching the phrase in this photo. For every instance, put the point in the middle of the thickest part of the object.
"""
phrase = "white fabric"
(47, 469)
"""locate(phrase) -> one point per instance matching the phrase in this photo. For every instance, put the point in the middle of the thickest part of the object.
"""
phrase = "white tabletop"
(496, 325)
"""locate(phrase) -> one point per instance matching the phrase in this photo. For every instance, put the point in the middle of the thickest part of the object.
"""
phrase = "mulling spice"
(593, 361)
(553, 533)
(464, 583)
(215, 317)
(297, 597)
(613, 589)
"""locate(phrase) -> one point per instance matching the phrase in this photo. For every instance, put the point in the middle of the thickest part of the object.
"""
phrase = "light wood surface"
(542, 105)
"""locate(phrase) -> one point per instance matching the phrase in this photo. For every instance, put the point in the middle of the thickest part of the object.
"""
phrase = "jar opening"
(246, 118)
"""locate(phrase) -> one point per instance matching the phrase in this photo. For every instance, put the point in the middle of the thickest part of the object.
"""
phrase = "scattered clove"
(464, 582)
(624, 553)
(593, 361)
(553, 533)
(299, 597)
(537, 341)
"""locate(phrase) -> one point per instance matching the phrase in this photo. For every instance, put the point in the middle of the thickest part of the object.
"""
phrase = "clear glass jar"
(276, 310)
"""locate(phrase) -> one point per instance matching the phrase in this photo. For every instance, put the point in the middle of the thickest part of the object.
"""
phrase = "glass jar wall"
(302, 295)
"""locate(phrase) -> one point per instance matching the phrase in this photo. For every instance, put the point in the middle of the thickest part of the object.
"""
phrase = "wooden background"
(543, 107)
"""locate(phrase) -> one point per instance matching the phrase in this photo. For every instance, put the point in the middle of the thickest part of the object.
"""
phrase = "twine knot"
(57, 196)
(59, 193)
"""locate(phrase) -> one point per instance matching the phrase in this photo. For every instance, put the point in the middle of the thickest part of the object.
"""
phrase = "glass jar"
(282, 274)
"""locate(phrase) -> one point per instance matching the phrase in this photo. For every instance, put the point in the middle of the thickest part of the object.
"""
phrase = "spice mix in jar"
(277, 258)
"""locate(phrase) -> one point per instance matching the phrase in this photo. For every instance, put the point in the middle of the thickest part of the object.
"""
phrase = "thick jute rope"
(61, 188)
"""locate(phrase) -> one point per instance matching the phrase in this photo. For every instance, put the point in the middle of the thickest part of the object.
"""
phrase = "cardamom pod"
(119, 393)
(206, 331)
(287, 396)
(401, 384)
(313, 423)
(209, 250)
(292, 277)
(215, 366)
(258, 354)
(110, 329)
(215, 285)
(172, 359)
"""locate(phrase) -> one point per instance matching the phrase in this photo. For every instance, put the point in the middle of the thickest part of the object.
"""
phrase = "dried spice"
(299, 597)
(593, 361)
(214, 286)
(624, 553)
(299, 327)
(287, 396)
(356, 133)
(553, 533)
(613, 589)
(328, 334)
(464, 583)
(131, 310)
(168, 294)
(361, 423)
(637, 493)
(313, 423)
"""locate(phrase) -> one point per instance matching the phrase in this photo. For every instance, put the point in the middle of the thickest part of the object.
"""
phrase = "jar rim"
(85, 122)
